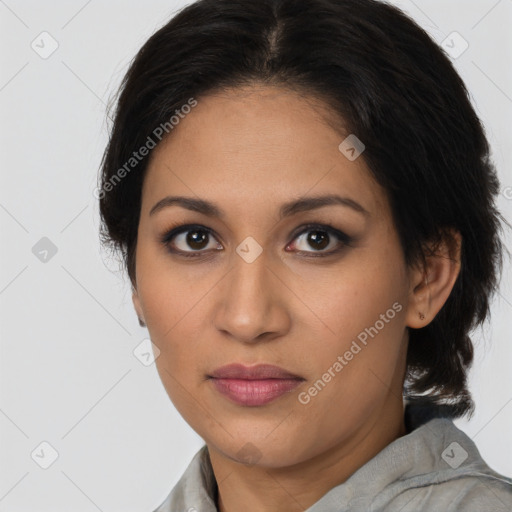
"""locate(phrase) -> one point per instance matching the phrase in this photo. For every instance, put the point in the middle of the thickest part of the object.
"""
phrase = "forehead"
(253, 145)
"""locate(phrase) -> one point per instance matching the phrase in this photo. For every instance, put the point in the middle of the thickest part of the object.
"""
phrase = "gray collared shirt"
(435, 467)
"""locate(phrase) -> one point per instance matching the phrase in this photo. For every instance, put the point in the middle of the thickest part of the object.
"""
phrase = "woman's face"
(252, 284)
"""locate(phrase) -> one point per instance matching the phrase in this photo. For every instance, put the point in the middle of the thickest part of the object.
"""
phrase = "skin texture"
(248, 151)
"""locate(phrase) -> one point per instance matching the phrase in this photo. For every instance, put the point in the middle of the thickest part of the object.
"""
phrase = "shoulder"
(471, 493)
(448, 474)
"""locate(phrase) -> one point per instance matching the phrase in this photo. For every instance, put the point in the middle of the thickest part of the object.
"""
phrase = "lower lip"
(254, 392)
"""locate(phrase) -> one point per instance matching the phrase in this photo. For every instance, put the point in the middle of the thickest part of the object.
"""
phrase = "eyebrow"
(286, 210)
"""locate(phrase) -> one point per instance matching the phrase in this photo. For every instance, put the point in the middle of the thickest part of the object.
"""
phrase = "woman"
(303, 197)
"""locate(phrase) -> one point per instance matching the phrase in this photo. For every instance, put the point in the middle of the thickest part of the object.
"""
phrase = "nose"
(251, 302)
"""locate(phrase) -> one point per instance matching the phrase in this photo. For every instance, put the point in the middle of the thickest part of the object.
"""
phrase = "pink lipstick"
(253, 385)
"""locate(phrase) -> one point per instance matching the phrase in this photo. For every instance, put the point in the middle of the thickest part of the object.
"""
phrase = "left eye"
(320, 238)
(199, 238)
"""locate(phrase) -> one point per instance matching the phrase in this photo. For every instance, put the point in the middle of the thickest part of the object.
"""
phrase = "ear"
(138, 307)
(432, 284)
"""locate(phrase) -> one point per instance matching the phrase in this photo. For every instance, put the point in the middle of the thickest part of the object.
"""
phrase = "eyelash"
(174, 231)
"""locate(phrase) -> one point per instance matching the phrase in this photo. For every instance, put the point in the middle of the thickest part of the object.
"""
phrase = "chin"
(260, 450)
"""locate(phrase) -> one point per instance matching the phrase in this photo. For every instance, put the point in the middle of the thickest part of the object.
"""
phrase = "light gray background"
(68, 330)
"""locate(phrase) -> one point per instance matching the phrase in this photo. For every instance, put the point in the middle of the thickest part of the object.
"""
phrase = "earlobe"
(432, 284)
(138, 307)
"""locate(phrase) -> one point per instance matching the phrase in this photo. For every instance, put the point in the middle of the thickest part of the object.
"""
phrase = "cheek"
(366, 344)
(345, 299)
(355, 370)
(171, 308)
(170, 293)
(360, 309)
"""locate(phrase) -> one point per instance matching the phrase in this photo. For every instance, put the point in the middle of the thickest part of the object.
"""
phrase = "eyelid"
(178, 229)
(344, 239)
(174, 231)
(322, 227)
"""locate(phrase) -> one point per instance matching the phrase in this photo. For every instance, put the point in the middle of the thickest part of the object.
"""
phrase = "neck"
(297, 487)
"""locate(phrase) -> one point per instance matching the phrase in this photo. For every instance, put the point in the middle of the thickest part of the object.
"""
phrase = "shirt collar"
(418, 455)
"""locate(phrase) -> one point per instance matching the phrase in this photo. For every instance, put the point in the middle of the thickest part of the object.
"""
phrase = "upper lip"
(260, 371)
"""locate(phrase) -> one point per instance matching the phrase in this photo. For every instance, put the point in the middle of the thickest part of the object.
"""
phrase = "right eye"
(179, 240)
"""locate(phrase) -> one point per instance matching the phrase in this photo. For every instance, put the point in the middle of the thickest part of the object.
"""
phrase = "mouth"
(253, 385)
(257, 372)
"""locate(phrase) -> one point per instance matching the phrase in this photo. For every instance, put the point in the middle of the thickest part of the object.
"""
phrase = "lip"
(253, 385)
(257, 372)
